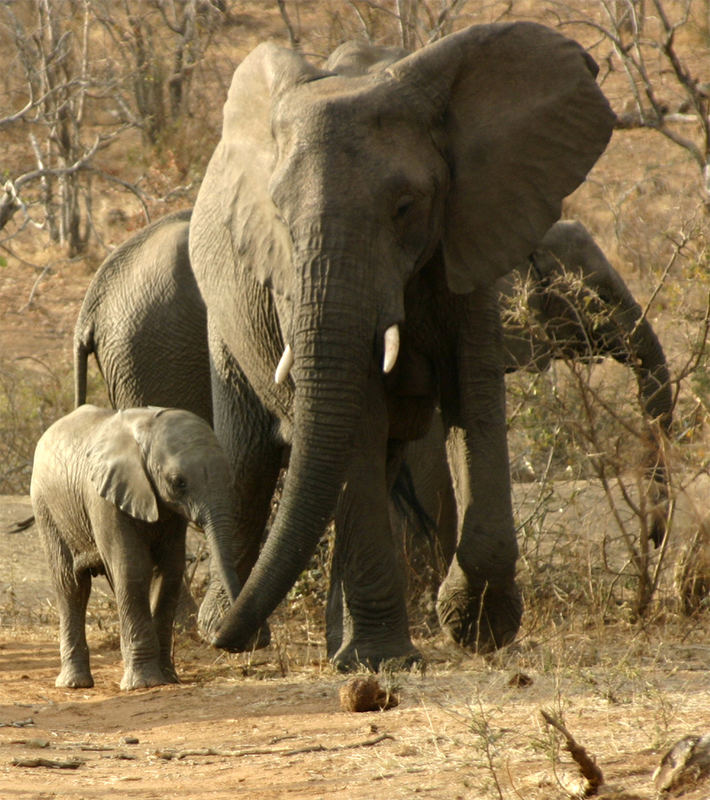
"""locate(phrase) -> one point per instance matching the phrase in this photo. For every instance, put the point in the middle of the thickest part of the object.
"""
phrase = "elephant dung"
(366, 694)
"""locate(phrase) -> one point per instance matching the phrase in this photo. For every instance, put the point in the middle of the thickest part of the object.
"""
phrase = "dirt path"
(270, 726)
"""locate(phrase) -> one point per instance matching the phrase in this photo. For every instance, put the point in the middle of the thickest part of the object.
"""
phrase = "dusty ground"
(271, 726)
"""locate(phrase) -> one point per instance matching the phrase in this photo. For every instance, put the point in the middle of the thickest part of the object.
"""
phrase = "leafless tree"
(78, 93)
(52, 49)
(417, 22)
(293, 36)
(651, 42)
(158, 44)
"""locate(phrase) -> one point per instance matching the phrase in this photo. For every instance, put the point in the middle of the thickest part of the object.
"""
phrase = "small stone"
(129, 740)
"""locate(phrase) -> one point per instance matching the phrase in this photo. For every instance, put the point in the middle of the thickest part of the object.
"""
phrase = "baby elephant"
(112, 492)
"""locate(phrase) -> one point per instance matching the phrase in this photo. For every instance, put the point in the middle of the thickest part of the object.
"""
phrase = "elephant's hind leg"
(72, 591)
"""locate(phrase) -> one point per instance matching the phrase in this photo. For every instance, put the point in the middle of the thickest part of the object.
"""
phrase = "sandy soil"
(270, 725)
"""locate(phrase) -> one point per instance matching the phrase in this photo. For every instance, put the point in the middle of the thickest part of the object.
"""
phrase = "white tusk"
(285, 365)
(391, 348)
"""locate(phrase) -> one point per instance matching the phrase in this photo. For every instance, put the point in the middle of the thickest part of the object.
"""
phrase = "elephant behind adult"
(597, 318)
(354, 224)
(144, 320)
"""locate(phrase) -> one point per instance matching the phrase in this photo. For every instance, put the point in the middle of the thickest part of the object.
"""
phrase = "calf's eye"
(177, 483)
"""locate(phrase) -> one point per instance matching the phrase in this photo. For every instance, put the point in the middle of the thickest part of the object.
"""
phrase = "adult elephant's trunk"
(649, 364)
(333, 349)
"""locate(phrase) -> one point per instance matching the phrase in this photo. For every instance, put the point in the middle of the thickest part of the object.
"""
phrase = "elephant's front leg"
(124, 545)
(479, 603)
(165, 592)
(245, 430)
(367, 617)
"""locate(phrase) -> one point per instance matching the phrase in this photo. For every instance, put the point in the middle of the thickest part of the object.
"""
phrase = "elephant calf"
(112, 492)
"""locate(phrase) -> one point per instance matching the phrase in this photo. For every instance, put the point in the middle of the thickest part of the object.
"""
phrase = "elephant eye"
(177, 483)
(405, 202)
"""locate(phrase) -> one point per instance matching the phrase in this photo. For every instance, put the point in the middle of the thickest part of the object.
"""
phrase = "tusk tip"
(391, 348)
(284, 365)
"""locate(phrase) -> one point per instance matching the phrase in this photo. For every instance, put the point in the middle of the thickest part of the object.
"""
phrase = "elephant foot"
(144, 676)
(351, 658)
(74, 678)
(169, 673)
(483, 619)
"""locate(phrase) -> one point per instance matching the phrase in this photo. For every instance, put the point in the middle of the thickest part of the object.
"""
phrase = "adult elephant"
(350, 228)
(144, 320)
(580, 309)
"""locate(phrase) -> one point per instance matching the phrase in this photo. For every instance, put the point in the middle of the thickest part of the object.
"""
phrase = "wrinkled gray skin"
(334, 207)
(144, 321)
(573, 330)
(112, 492)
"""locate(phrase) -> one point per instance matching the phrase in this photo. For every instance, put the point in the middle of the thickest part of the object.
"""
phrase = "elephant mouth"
(481, 621)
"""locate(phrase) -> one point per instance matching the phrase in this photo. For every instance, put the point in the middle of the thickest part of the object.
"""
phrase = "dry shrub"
(30, 401)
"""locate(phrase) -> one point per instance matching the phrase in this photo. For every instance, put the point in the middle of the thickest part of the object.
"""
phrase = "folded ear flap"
(356, 57)
(244, 161)
(524, 122)
(116, 465)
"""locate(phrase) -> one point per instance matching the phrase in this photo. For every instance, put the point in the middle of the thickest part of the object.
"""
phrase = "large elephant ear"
(116, 465)
(259, 237)
(355, 58)
(524, 122)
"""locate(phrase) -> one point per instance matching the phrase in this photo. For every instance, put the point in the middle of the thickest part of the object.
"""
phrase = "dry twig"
(587, 765)
(270, 751)
(47, 762)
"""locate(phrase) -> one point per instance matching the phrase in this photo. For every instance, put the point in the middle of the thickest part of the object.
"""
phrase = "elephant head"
(588, 312)
(142, 460)
(329, 192)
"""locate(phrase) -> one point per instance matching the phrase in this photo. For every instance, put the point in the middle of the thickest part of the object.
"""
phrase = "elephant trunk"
(651, 369)
(333, 349)
(652, 373)
(219, 527)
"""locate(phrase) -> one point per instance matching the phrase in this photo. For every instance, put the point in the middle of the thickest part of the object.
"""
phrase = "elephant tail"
(406, 503)
(21, 525)
(83, 346)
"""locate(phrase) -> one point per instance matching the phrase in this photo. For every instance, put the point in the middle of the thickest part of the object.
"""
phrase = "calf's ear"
(116, 464)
